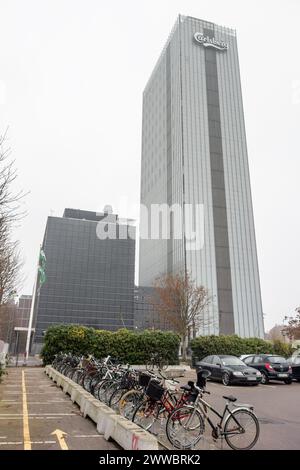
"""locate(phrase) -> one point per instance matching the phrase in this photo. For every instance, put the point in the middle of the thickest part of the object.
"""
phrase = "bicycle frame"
(204, 406)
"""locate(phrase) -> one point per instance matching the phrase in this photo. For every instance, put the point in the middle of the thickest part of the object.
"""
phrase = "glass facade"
(89, 281)
(146, 315)
(194, 152)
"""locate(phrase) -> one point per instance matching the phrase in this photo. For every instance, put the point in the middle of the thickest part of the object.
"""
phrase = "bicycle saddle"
(230, 398)
(189, 386)
(186, 387)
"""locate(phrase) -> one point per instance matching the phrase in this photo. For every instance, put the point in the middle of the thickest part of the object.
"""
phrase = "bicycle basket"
(144, 379)
(154, 390)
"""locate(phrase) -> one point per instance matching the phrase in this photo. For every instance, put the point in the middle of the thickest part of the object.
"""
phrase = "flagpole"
(32, 311)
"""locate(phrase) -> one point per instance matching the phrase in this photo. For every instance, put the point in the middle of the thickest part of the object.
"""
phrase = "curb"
(127, 434)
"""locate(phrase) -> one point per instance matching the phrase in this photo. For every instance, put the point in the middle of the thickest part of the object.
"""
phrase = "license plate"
(282, 375)
(251, 378)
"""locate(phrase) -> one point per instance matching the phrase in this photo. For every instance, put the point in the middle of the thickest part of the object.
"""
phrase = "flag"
(42, 268)
(42, 261)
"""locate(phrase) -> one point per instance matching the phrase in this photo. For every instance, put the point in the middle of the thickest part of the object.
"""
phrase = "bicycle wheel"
(241, 429)
(185, 427)
(96, 379)
(103, 388)
(110, 390)
(146, 414)
(87, 381)
(129, 401)
(116, 397)
(163, 364)
(69, 372)
(97, 388)
(82, 377)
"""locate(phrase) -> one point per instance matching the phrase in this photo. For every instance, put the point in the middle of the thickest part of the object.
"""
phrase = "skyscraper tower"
(194, 153)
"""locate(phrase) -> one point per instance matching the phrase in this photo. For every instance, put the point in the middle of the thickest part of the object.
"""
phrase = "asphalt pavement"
(36, 414)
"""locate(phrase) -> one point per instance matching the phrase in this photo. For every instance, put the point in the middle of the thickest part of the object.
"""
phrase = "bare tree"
(276, 333)
(9, 272)
(9, 200)
(293, 327)
(9, 214)
(182, 303)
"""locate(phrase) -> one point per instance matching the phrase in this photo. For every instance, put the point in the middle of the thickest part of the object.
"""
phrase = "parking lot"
(35, 414)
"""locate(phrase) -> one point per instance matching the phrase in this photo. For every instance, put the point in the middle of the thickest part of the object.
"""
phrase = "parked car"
(229, 370)
(271, 367)
(294, 362)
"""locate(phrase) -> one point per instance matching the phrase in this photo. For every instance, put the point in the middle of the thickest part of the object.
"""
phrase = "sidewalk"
(36, 414)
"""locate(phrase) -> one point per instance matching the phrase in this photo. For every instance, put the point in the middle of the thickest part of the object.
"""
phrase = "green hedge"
(128, 346)
(2, 372)
(236, 346)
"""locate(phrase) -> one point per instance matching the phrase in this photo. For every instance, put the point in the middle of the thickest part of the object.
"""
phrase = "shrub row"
(128, 346)
(2, 371)
(234, 345)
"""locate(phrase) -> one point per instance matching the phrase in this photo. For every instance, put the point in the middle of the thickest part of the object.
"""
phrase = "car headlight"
(258, 373)
(238, 373)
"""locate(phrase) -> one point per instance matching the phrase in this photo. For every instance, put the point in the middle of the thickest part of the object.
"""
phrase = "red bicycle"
(160, 403)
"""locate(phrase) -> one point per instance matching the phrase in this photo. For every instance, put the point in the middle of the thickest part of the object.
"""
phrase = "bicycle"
(157, 361)
(185, 425)
(160, 402)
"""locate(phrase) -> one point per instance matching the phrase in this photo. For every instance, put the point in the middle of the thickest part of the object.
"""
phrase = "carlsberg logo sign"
(210, 42)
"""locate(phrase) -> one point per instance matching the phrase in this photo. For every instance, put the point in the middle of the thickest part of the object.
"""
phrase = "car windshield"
(277, 360)
(232, 361)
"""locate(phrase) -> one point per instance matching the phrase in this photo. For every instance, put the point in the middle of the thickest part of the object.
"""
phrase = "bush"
(126, 345)
(2, 371)
(234, 345)
(282, 349)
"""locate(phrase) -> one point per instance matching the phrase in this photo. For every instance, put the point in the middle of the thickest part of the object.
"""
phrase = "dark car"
(271, 367)
(294, 362)
(229, 370)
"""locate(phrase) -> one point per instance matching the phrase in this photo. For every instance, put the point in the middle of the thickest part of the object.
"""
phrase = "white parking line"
(35, 393)
(43, 442)
(11, 443)
(37, 402)
(9, 418)
(36, 414)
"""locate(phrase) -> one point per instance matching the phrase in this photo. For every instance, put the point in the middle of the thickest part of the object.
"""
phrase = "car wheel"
(288, 381)
(298, 380)
(264, 378)
(226, 379)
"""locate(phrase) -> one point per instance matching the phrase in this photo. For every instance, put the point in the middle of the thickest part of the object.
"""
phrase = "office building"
(89, 278)
(146, 315)
(194, 154)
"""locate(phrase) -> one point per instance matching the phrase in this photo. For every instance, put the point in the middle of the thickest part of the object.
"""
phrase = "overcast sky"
(72, 74)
